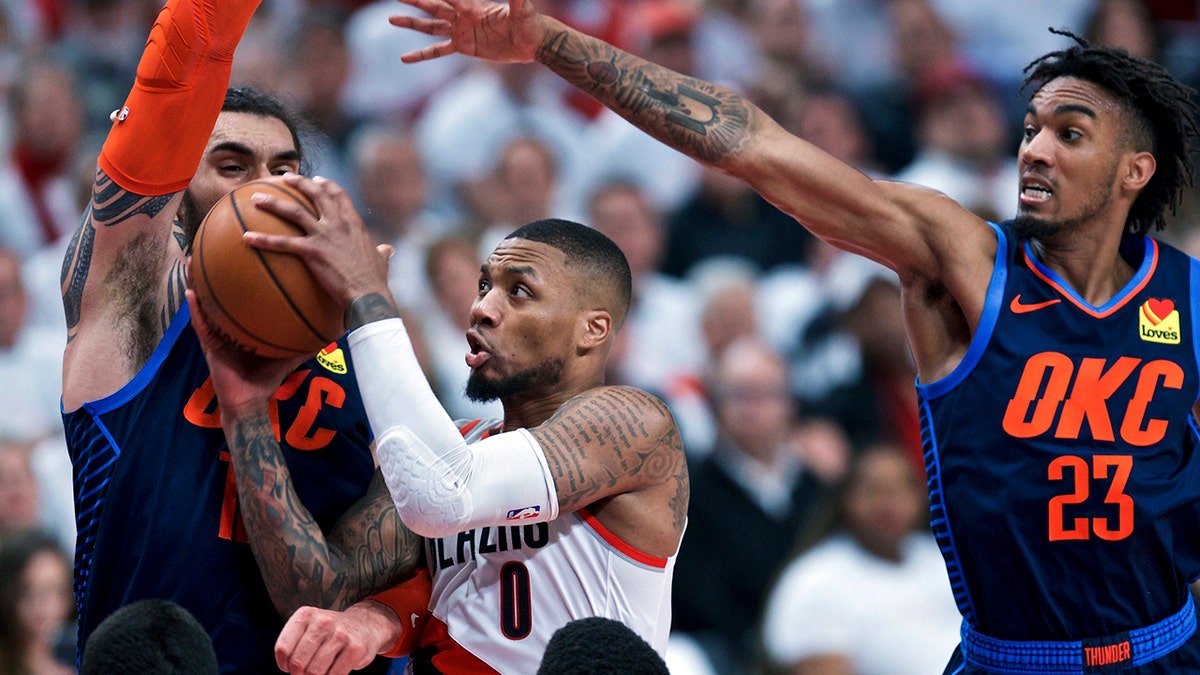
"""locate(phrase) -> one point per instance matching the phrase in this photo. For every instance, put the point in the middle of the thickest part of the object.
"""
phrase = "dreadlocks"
(1163, 110)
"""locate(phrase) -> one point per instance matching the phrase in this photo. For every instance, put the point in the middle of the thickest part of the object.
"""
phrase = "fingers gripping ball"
(265, 302)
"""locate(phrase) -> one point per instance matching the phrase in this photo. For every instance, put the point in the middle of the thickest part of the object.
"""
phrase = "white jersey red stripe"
(499, 593)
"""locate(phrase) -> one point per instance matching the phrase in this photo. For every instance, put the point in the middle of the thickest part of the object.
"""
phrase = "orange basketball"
(264, 302)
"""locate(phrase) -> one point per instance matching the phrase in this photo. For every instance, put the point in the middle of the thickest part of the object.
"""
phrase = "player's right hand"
(508, 33)
(327, 642)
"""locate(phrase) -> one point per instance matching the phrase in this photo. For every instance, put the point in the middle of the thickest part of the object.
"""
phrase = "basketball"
(264, 302)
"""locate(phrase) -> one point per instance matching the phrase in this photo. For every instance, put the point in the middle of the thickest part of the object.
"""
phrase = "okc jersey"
(156, 503)
(1064, 482)
(499, 593)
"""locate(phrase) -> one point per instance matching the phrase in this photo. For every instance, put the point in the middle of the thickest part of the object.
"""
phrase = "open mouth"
(478, 353)
(1035, 190)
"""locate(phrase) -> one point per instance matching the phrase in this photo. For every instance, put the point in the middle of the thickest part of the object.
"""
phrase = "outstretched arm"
(123, 274)
(905, 227)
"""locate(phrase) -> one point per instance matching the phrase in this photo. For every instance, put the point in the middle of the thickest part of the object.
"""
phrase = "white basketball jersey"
(499, 593)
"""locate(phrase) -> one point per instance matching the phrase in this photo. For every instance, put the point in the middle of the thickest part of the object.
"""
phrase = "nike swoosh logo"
(1018, 307)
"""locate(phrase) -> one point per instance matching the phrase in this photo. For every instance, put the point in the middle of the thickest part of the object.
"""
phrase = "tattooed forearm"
(695, 117)
(368, 551)
(367, 308)
(286, 541)
(113, 205)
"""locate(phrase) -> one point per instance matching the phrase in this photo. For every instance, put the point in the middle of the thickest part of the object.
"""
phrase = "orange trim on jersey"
(1088, 308)
(448, 655)
(619, 544)
(466, 428)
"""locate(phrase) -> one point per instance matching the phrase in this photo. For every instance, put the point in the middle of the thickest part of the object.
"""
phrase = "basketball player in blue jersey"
(156, 498)
(1056, 353)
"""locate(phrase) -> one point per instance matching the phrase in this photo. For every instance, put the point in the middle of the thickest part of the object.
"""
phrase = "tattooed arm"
(618, 440)
(368, 550)
(909, 228)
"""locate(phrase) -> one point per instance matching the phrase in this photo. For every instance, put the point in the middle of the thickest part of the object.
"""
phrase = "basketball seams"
(265, 262)
(232, 284)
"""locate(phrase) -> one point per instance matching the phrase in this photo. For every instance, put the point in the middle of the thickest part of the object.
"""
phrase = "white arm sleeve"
(441, 485)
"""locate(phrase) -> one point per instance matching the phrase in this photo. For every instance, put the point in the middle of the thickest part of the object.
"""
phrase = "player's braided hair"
(1164, 110)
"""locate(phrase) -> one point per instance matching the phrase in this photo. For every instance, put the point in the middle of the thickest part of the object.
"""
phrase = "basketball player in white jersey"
(575, 510)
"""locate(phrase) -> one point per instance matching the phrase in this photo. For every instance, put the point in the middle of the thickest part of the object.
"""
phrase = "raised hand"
(508, 33)
(337, 247)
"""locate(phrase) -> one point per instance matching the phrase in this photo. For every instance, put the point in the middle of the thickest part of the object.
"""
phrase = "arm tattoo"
(697, 118)
(368, 308)
(614, 440)
(298, 564)
(112, 205)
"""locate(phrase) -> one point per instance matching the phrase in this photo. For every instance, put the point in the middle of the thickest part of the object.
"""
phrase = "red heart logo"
(1159, 309)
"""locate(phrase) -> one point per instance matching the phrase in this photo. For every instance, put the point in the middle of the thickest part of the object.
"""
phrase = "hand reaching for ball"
(337, 247)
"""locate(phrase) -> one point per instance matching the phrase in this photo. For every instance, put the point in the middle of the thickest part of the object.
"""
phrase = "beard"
(1028, 228)
(1031, 228)
(190, 216)
(480, 389)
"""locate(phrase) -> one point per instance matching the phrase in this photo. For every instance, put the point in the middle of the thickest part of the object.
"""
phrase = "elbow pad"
(440, 485)
(503, 479)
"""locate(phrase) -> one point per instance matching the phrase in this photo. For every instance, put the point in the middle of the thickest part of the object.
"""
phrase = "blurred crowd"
(783, 360)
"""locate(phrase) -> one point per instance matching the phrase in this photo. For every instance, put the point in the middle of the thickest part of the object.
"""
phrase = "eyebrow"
(1065, 108)
(243, 149)
(515, 270)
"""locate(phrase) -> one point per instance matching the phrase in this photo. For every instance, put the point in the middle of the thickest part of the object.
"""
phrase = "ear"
(1139, 168)
(596, 327)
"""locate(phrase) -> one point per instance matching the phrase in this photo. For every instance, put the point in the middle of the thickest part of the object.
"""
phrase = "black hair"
(149, 637)
(598, 645)
(586, 248)
(1163, 110)
(253, 101)
(16, 552)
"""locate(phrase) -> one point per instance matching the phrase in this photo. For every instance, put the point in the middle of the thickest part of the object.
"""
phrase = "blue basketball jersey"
(1064, 486)
(156, 502)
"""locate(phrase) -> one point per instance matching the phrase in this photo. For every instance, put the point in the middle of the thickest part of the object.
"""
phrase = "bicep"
(609, 441)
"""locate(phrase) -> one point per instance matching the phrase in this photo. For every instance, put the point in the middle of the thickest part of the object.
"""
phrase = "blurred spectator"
(749, 498)
(392, 195)
(728, 218)
(452, 268)
(36, 610)
(149, 637)
(463, 131)
(867, 594)
(662, 31)
(31, 356)
(102, 44)
(37, 177)
(1001, 39)
(19, 493)
(523, 188)
(316, 72)
(378, 86)
(1126, 24)
(855, 40)
(963, 147)
(661, 334)
(870, 394)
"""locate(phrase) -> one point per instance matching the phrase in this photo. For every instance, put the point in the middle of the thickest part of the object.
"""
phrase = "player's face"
(1069, 157)
(243, 147)
(522, 322)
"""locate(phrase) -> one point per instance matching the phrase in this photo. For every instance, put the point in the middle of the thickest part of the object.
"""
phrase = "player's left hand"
(240, 380)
